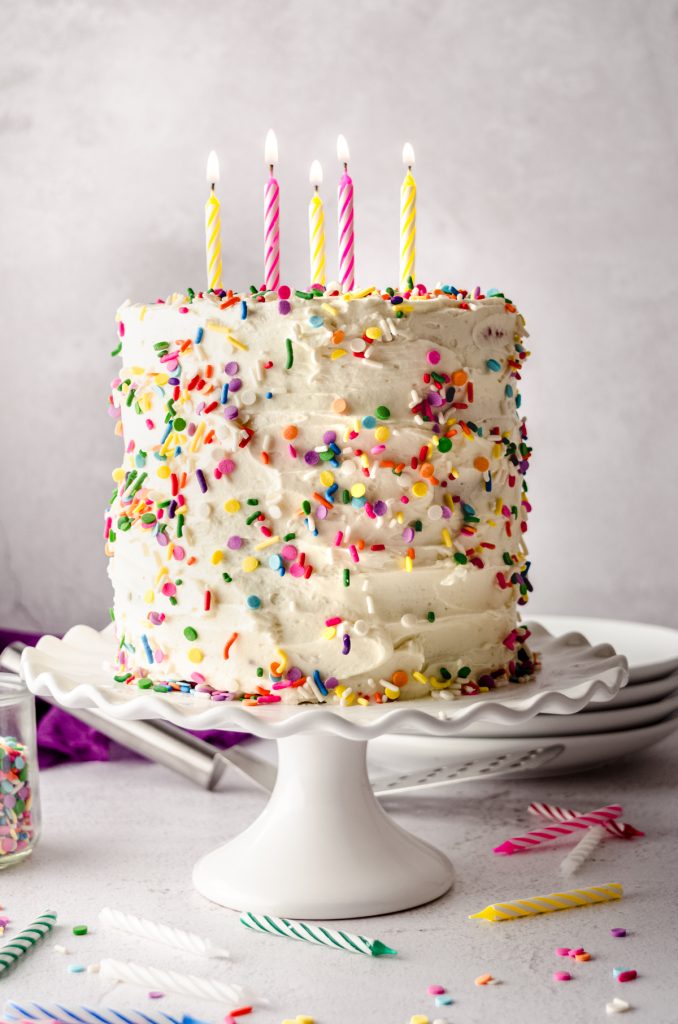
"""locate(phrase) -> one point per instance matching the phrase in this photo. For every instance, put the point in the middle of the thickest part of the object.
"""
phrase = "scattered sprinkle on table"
(483, 979)
(80, 929)
(624, 974)
(562, 976)
(76, 969)
(617, 1006)
(618, 933)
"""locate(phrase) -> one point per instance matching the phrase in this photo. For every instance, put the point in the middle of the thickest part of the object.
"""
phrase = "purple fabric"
(61, 737)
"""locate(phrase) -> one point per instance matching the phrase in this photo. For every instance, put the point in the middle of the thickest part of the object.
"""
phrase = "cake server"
(499, 765)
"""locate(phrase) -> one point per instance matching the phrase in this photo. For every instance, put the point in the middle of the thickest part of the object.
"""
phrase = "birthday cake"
(322, 495)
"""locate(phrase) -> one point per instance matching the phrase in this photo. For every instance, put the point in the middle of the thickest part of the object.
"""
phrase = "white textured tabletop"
(126, 835)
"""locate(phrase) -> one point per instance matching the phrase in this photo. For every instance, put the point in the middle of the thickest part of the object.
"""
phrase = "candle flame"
(316, 173)
(271, 148)
(408, 154)
(212, 171)
(342, 149)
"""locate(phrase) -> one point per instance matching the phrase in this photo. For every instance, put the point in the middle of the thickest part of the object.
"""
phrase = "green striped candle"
(316, 934)
(25, 940)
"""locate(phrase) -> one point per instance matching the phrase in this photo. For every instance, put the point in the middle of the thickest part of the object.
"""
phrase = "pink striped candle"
(346, 256)
(621, 829)
(271, 217)
(517, 844)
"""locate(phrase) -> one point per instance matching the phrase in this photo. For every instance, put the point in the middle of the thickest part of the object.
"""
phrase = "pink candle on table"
(622, 829)
(517, 844)
(346, 257)
(271, 217)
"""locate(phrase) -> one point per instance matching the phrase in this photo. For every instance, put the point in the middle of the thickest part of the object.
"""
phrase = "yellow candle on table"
(316, 226)
(213, 225)
(547, 904)
(408, 221)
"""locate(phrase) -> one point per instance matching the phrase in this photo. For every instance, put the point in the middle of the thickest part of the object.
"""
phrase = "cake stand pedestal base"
(323, 847)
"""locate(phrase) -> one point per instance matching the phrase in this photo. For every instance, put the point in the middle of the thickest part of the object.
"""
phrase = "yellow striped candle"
(316, 226)
(547, 904)
(408, 221)
(213, 225)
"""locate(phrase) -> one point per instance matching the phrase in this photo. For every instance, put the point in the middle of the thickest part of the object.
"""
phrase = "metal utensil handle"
(188, 755)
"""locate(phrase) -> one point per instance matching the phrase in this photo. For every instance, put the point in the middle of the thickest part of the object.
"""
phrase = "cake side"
(322, 498)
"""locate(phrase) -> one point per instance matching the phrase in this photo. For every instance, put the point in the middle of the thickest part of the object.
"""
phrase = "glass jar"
(19, 798)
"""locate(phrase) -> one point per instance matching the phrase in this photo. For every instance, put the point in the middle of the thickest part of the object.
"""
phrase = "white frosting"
(384, 610)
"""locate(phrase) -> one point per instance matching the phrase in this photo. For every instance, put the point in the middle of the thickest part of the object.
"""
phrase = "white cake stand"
(323, 847)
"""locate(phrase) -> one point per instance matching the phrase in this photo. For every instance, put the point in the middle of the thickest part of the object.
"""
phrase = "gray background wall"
(546, 164)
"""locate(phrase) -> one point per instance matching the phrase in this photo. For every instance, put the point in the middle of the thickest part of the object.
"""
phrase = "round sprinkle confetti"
(232, 505)
(290, 432)
(253, 601)
(433, 357)
(618, 933)
(76, 969)
(383, 412)
(481, 463)
(562, 976)
(369, 422)
(339, 405)
(190, 633)
(420, 489)
(80, 929)
(250, 563)
(444, 444)
(357, 490)
(195, 655)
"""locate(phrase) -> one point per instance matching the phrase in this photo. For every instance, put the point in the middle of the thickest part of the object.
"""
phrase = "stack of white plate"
(644, 712)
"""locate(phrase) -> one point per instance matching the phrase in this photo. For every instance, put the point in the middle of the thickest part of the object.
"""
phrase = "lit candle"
(271, 216)
(408, 221)
(346, 258)
(213, 225)
(316, 226)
